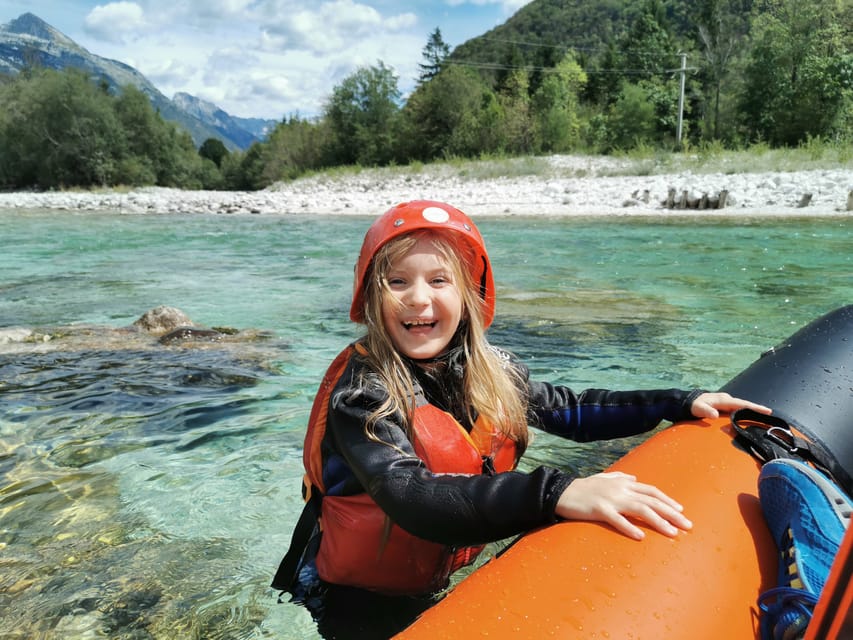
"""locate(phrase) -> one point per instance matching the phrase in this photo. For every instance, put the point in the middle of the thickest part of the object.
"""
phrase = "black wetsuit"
(466, 510)
(455, 510)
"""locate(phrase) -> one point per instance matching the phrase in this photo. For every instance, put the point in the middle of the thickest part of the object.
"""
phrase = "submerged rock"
(14, 334)
(163, 319)
(156, 328)
(190, 333)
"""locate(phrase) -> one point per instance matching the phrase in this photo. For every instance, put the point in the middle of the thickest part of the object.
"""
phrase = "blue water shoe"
(807, 515)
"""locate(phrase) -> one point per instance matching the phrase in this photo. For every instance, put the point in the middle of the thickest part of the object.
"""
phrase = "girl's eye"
(395, 282)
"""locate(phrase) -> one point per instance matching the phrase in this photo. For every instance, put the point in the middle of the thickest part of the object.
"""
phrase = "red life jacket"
(360, 546)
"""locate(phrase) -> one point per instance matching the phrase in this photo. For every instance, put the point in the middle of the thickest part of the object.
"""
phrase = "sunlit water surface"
(149, 491)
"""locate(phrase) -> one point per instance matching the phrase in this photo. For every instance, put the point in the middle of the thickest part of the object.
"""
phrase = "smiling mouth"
(416, 324)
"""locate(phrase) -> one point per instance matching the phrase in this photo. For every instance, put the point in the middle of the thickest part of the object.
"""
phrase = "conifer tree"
(434, 54)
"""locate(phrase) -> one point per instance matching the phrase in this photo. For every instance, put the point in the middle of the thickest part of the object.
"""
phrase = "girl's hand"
(709, 405)
(613, 497)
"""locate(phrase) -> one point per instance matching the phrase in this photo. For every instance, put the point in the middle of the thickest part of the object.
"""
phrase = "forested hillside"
(587, 25)
(751, 64)
(591, 76)
(559, 77)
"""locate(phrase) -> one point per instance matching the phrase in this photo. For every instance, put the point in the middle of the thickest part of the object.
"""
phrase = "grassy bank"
(815, 155)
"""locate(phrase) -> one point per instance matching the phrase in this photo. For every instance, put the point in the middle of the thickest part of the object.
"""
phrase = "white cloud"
(113, 22)
(170, 72)
(401, 21)
(266, 58)
(232, 59)
(221, 7)
(328, 26)
(509, 6)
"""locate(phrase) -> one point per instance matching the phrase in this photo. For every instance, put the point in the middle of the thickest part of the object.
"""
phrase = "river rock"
(163, 319)
(14, 334)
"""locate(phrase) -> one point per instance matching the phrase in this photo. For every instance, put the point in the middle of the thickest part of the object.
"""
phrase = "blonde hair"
(492, 386)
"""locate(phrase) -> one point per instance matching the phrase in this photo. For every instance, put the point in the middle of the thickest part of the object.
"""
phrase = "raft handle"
(789, 442)
(767, 437)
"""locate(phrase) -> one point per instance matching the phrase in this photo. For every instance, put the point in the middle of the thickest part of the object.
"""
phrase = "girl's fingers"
(709, 405)
(619, 500)
(651, 505)
(626, 527)
(653, 492)
(661, 516)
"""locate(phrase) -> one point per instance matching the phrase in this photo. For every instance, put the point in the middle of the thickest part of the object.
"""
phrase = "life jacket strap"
(307, 528)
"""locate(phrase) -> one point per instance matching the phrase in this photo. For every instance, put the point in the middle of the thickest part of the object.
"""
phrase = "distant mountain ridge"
(244, 131)
(30, 41)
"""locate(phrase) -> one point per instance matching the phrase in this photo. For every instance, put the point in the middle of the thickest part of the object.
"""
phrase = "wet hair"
(491, 384)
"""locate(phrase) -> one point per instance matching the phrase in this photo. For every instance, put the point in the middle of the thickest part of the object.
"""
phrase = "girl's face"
(424, 307)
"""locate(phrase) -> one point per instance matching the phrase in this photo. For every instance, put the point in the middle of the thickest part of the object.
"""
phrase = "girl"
(417, 429)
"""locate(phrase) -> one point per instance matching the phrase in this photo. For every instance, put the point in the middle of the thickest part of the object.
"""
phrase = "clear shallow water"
(149, 491)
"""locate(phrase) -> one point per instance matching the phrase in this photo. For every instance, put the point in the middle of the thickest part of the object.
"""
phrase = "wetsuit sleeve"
(449, 509)
(599, 414)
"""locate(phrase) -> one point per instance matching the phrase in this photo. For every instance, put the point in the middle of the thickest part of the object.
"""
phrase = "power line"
(495, 66)
(682, 71)
(577, 47)
(537, 44)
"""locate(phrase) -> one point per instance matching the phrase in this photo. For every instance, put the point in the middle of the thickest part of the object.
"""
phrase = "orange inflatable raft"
(584, 580)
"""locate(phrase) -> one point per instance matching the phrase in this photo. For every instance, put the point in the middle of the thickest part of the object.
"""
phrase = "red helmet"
(425, 214)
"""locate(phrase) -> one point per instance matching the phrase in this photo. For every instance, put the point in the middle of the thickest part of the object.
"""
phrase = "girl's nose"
(418, 294)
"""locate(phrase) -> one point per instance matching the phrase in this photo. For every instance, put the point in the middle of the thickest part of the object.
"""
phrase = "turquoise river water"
(149, 491)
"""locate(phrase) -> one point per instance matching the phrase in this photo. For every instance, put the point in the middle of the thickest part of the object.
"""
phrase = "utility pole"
(683, 71)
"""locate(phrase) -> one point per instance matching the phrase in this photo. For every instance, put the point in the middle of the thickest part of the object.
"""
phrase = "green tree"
(186, 169)
(605, 76)
(214, 150)
(434, 55)
(647, 48)
(245, 172)
(362, 114)
(58, 129)
(479, 131)
(506, 76)
(799, 76)
(648, 53)
(514, 99)
(440, 117)
(155, 147)
(631, 120)
(721, 35)
(547, 56)
(146, 153)
(295, 146)
(555, 107)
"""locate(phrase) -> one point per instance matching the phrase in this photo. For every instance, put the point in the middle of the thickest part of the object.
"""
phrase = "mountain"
(243, 131)
(29, 41)
(544, 28)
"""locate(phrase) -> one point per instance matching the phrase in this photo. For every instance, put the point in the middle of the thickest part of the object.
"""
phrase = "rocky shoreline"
(571, 186)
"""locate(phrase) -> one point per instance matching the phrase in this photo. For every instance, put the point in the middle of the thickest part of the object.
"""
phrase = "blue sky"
(264, 58)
